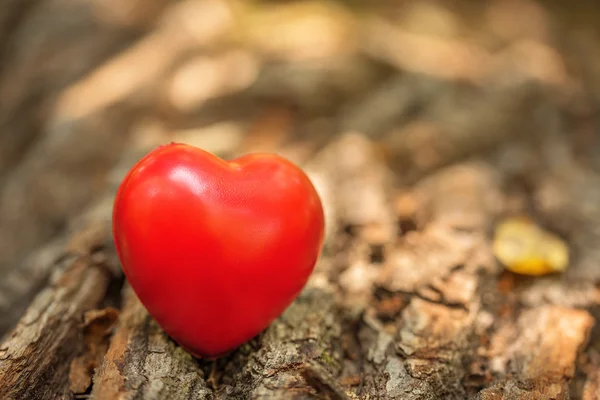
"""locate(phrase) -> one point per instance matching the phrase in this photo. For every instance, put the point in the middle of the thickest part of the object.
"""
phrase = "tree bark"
(35, 358)
(407, 300)
(143, 363)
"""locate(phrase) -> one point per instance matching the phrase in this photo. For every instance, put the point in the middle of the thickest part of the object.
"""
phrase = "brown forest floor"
(422, 125)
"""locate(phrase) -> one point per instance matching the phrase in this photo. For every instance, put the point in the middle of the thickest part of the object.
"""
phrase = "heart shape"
(216, 250)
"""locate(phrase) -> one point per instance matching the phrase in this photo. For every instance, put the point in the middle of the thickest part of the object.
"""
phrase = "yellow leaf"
(525, 248)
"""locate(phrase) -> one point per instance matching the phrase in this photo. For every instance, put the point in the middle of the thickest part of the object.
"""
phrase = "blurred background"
(411, 87)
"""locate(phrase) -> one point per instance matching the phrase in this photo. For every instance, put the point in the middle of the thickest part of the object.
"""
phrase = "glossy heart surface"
(216, 250)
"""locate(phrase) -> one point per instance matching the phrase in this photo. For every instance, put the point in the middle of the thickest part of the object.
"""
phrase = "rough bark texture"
(22, 281)
(418, 140)
(143, 363)
(36, 356)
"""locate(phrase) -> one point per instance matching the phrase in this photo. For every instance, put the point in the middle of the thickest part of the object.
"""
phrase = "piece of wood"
(421, 324)
(431, 317)
(297, 354)
(22, 284)
(541, 351)
(433, 303)
(275, 365)
(23, 280)
(143, 363)
(35, 358)
(407, 301)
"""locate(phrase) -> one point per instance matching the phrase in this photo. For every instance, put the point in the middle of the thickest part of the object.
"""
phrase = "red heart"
(216, 250)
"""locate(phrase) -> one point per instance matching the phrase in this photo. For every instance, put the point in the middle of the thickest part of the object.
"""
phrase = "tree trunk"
(407, 301)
